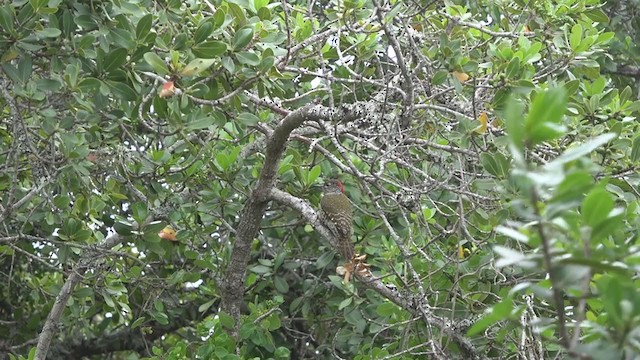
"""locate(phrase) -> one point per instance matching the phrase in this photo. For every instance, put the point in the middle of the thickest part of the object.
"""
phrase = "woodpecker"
(337, 210)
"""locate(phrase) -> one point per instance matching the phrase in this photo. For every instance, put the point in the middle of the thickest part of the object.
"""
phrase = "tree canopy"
(161, 163)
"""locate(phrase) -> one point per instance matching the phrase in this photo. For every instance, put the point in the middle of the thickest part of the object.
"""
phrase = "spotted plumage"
(337, 209)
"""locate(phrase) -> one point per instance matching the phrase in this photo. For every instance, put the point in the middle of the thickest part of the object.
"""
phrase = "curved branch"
(53, 319)
(626, 70)
(484, 29)
(410, 303)
(233, 285)
(87, 261)
(126, 339)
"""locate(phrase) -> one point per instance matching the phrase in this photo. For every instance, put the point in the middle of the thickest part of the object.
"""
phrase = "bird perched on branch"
(338, 213)
(336, 207)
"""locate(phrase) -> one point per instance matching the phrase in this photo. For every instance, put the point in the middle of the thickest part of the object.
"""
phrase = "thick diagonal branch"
(127, 338)
(233, 285)
(53, 319)
(87, 261)
(411, 304)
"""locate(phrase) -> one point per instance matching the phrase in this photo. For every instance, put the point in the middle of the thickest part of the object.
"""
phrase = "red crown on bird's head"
(334, 184)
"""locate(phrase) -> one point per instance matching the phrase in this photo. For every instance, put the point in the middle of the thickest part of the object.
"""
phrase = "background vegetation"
(489, 149)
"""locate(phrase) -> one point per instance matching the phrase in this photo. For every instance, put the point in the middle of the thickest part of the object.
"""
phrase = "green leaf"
(122, 228)
(49, 85)
(577, 152)
(108, 300)
(90, 84)
(201, 123)
(236, 11)
(515, 127)
(604, 38)
(158, 65)
(572, 86)
(222, 161)
(625, 94)
(247, 330)
(496, 164)
(597, 15)
(596, 265)
(544, 119)
(242, 38)
(86, 22)
(499, 312)
(512, 257)
(635, 149)
(313, 174)
(609, 226)
(428, 213)
(228, 64)
(6, 18)
(597, 206)
(38, 4)
(11, 72)
(83, 292)
(248, 118)
(48, 33)
(25, 67)
(325, 259)
(139, 321)
(266, 64)
(204, 307)
(280, 284)
(261, 269)
(513, 69)
(144, 26)
(226, 320)
(82, 235)
(219, 17)
(248, 58)
(573, 187)
(203, 32)
(546, 131)
(386, 309)
(123, 90)
(209, 49)
(160, 317)
(259, 4)
(512, 233)
(576, 36)
(191, 255)
(140, 212)
(439, 77)
(197, 66)
(264, 13)
(613, 290)
(122, 38)
(635, 106)
(115, 59)
(503, 309)
(588, 63)
(282, 353)
(344, 303)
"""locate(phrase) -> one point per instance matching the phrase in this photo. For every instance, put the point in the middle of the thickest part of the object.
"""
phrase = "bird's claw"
(356, 265)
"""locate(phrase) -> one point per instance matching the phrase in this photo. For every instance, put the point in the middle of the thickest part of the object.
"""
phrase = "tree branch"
(626, 70)
(410, 303)
(127, 338)
(233, 285)
(86, 262)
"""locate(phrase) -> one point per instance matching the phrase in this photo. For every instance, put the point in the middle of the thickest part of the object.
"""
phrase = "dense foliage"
(489, 150)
